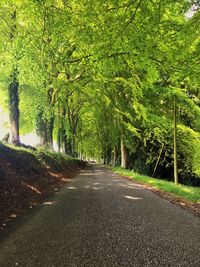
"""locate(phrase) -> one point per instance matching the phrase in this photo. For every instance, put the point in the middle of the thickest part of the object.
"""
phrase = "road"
(102, 219)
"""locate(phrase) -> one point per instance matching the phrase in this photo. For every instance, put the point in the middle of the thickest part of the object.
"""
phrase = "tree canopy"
(117, 81)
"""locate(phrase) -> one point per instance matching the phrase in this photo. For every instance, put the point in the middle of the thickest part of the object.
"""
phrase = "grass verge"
(181, 191)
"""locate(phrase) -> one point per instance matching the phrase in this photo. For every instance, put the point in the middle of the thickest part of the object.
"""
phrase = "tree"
(119, 83)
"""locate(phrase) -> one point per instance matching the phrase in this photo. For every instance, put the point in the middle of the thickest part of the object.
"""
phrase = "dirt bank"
(27, 177)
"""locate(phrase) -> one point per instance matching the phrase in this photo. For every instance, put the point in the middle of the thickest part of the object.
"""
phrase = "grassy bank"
(28, 176)
(181, 191)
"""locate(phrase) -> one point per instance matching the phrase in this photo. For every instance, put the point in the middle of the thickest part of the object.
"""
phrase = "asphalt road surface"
(102, 219)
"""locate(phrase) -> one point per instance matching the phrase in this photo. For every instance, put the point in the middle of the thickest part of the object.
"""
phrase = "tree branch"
(6, 22)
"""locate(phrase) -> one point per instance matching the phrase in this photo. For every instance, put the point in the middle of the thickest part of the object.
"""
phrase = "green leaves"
(112, 66)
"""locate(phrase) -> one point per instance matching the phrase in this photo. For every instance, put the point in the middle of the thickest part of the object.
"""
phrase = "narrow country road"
(102, 219)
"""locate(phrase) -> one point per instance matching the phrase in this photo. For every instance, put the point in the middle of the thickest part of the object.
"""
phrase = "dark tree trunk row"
(13, 92)
(44, 129)
(13, 103)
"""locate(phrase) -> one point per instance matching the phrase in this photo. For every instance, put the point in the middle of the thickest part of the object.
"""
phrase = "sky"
(3, 122)
(189, 14)
(29, 139)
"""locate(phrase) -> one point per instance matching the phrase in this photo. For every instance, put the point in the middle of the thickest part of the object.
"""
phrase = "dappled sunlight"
(97, 188)
(96, 170)
(87, 174)
(33, 188)
(13, 215)
(47, 166)
(91, 173)
(99, 173)
(65, 179)
(187, 189)
(115, 176)
(132, 198)
(87, 186)
(135, 185)
(49, 203)
(129, 186)
(54, 174)
(72, 188)
(87, 171)
(151, 181)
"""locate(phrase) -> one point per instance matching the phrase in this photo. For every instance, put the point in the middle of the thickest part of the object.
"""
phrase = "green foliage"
(103, 69)
(189, 151)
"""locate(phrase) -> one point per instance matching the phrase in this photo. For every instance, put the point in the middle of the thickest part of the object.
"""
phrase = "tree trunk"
(64, 140)
(59, 140)
(123, 153)
(62, 131)
(108, 155)
(114, 157)
(69, 146)
(13, 93)
(73, 145)
(41, 128)
(158, 159)
(104, 159)
(175, 144)
(49, 130)
(13, 100)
